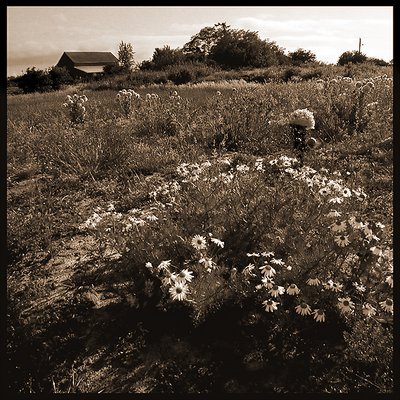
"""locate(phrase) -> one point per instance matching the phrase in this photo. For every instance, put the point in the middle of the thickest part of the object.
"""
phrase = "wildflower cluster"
(299, 121)
(289, 287)
(76, 108)
(113, 229)
(357, 83)
(335, 261)
(152, 97)
(302, 117)
(176, 281)
(345, 235)
(125, 99)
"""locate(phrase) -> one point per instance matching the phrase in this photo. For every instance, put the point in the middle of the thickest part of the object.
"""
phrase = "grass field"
(171, 242)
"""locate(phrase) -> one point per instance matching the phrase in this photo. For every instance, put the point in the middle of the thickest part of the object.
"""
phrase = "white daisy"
(387, 305)
(303, 309)
(218, 242)
(314, 281)
(267, 282)
(334, 286)
(164, 265)
(270, 305)
(276, 290)
(338, 226)
(267, 270)
(199, 242)
(292, 289)
(368, 310)
(184, 276)
(179, 291)
(319, 315)
(169, 278)
(267, 253)
(277, 261)
(342, 240)
(345, 304)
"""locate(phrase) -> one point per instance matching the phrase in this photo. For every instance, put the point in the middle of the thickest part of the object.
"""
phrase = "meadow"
(166, 239)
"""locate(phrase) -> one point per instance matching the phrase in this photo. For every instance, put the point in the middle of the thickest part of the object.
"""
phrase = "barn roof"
(91, 57)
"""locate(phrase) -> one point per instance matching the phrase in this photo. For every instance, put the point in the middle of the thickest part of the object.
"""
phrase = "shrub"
(34, 80)
(354, 57)
(181, 76)
(59, 77)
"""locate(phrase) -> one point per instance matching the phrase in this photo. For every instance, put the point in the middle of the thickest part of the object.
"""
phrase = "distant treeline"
(213, 51)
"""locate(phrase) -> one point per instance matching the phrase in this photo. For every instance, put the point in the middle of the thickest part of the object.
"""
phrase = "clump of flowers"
(300, 121)
(76, 108)
(322, 266)
(125, 99)
(302, 117)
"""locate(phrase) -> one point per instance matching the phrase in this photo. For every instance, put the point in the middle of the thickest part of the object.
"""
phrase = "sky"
(37, 36)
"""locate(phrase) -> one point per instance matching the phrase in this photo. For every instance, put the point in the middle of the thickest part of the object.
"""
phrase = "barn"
(86, 63)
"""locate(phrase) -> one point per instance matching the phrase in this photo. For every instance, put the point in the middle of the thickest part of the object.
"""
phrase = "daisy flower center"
(320, 312)
(292, 286)
(269, 302)
(389, 302)
(182, 274)
(178, 290)
(346, 303)
(303, 305)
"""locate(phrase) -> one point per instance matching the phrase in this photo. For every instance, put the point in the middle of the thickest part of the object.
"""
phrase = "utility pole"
(359, 45)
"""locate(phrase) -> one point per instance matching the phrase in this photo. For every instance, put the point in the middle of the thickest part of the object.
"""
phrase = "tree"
(201, 44)
(233, 48)
(301, 56)
(125, 56)
(239, 48)
(354, 57)
(166, 56)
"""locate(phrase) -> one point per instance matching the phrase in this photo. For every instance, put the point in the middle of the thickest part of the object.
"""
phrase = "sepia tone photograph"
(199, 200)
